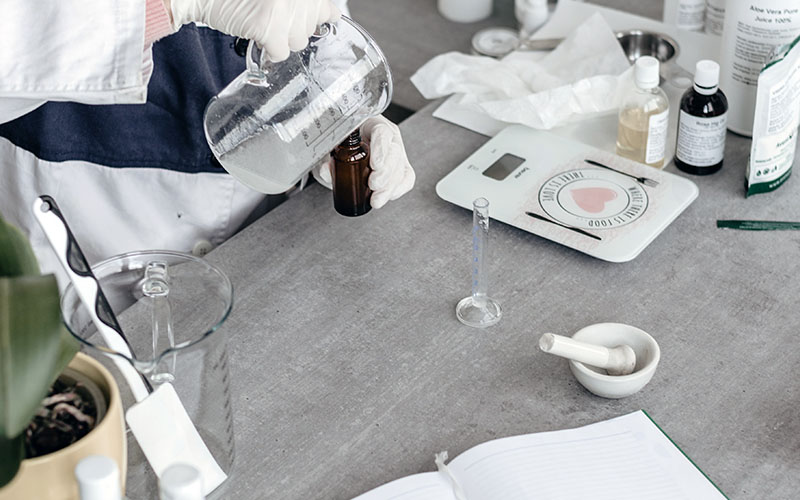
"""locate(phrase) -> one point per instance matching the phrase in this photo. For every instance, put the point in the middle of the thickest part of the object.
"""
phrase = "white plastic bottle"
(752, 31)
(98, 478)
(531, 15)
(644, 117)
(715, 17)
(181, 482)
(465, 11)
(685, 14)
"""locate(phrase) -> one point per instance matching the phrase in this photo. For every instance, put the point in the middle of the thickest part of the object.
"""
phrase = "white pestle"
(619, 360)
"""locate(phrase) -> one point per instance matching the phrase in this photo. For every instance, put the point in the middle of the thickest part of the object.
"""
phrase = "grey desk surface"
(350, 369)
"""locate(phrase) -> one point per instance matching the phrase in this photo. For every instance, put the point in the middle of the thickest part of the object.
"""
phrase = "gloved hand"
(278, 26)
(392, 175)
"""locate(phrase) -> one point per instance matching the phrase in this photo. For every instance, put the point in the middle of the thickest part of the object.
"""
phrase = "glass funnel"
(276, 121)
(170, 307)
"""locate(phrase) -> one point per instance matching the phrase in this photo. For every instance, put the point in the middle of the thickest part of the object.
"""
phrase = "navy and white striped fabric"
(190, 67)
(132, 176)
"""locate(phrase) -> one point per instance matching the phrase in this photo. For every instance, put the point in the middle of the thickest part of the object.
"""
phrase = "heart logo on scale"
(593, 199)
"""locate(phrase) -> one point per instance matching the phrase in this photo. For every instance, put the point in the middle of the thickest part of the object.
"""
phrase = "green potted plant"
(56, 406)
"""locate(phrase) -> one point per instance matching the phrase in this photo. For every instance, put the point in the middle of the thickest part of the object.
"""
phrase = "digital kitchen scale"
(593, 201)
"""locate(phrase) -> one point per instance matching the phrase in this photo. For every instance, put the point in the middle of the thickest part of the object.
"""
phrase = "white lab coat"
(92, 52)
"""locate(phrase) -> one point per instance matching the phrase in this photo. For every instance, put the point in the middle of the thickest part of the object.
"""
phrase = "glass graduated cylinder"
(479, 310)
(480, 242)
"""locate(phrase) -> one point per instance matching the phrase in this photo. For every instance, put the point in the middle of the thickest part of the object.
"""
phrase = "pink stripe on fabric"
(157, 22)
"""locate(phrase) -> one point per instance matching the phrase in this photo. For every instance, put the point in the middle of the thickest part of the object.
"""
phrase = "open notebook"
(625, 458)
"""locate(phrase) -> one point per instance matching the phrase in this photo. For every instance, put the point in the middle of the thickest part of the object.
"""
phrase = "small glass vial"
(98, 478)
(181, 482)
(349, 176)
(702, 123)
(644, 117)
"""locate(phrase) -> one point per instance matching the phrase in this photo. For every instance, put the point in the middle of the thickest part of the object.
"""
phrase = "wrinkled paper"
(586, 75)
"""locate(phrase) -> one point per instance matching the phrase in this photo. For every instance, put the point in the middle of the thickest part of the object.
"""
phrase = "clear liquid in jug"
(276, 121)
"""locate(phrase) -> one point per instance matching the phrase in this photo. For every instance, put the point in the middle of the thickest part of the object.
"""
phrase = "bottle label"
(751, 31)
(657, 137)
(691, 15)
(701, 141)
(715, 16)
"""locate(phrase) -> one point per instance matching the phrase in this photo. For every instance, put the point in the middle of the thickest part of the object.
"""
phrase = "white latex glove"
(278, 26)
(392, 175)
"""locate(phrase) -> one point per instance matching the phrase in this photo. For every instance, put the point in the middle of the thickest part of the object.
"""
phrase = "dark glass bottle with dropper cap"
(702, 123)
(349, 174)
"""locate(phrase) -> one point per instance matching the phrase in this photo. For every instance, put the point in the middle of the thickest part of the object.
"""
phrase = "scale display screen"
(503, 167)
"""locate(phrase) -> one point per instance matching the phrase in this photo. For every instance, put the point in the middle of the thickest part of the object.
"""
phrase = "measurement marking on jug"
(323, 130)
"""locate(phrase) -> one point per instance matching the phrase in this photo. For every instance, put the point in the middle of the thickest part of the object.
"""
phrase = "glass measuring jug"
(172, 307)
(276, 121)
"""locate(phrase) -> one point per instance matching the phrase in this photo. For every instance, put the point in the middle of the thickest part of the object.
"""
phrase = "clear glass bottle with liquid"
(644, 117)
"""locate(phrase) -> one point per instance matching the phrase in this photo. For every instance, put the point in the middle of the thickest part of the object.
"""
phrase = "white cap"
(98, 478)
(646, 72)
(706, 77)
(181, 482)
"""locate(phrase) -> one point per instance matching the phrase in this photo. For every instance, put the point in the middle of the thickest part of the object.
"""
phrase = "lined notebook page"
(627, 458)
(427, 486)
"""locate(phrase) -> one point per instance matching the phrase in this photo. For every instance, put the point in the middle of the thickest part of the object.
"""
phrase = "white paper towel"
(583, 77)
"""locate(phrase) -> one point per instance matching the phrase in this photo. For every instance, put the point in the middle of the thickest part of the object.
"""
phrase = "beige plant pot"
(52, 477)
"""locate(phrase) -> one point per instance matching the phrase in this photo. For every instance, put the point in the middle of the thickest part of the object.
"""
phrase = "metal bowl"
(637, 43)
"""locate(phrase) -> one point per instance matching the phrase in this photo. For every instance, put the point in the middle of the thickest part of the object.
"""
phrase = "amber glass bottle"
(702, 123)
(349, 177)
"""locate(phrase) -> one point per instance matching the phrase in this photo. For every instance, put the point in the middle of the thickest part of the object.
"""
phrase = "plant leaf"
(16, 255)
(33, 347)
(12, 451)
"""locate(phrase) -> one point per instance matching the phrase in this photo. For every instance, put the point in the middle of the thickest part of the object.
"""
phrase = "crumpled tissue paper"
(586, 75)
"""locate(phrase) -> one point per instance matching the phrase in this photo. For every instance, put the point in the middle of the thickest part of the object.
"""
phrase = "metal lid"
(495, 42)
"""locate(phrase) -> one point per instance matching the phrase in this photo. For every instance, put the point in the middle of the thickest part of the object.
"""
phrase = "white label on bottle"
(657, 137)
(751, 31)
(715, 17)
(701, 141)
(691, 15)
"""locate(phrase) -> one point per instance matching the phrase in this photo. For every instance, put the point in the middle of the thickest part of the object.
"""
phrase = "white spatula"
(159, 421)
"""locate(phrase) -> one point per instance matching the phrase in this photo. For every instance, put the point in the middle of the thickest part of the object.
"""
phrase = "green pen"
(758, 225)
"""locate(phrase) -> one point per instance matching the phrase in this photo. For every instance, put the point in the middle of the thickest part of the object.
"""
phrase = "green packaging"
(777, 117)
